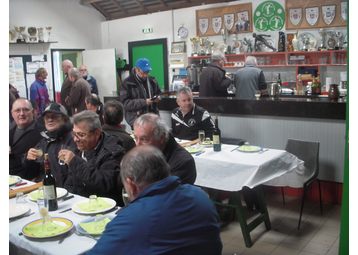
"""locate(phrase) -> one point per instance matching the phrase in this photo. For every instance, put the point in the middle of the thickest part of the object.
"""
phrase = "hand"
(32, 154)
(67, 155)
(9, 149)
(149, 102)
(157, 99)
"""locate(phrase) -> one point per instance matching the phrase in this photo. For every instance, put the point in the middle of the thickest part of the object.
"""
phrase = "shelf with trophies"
(35, 35)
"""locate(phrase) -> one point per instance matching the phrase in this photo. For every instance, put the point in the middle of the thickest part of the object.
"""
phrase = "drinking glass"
(61, 160)
(125, 197)
(93, 202)
(43, 205)
(257, 94)
(20, 198)
(39, 153)
(99, 223)
(201, 135)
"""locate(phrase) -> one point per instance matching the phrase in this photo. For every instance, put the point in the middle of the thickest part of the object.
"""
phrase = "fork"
(88, 235)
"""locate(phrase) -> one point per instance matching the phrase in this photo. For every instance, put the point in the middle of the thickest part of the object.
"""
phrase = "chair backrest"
(307, 151)
(233, 141)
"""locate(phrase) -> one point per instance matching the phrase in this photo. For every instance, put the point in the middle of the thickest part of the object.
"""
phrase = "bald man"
(66, 85)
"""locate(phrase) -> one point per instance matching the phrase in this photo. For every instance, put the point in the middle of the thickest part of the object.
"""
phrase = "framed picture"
(178, 47)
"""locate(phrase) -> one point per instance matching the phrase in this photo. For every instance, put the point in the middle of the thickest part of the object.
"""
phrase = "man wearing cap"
(57, 133)
(140, 92)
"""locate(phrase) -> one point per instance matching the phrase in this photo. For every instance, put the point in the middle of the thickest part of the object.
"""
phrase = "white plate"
(206, 144)
(253, 148)
(17, 178)
(16, 210)
(194, 150)
(76, 209)
(57, 220)
(91, 219)
(61, 192)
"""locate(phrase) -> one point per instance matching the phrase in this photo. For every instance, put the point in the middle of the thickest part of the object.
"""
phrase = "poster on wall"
(269, 15)
(17, 76)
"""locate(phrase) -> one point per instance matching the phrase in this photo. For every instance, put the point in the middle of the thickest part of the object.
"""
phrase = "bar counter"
(285, 106)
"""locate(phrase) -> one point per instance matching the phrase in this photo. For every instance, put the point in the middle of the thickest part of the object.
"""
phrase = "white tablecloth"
(231, 171)
(73, 244)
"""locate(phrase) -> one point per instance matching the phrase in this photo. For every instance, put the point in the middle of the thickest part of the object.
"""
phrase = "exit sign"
(147, 30)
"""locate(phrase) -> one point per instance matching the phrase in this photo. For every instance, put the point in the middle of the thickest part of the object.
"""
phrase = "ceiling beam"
(119, 6)
(163, 3)
(106, 14)
(141, 5)
(89, 1)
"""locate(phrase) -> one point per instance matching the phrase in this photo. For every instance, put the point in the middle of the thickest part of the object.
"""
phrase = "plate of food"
(86, 225)
(250, 148)
(16, 210)
(194, 150)
(14, 179)
(104, 204)
(206, 143)
(61, 192)
(34, 228)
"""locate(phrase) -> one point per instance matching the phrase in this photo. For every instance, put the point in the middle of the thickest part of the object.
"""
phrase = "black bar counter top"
(285, 106)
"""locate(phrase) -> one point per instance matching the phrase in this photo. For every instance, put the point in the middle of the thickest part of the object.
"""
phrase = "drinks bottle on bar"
(279, 80)
(299, 85)
(318, 88)
(49, 184)
(217, 136)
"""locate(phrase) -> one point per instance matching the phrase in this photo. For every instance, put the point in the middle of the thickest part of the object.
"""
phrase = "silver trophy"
(225, 34)
(339, 36)
(212, 46)
(40, 30)
(331, 41)
(49, 33)
(20, 30)
(202, 43)
(305, 41)
(207, 46)
(32, 32)
(322, 38)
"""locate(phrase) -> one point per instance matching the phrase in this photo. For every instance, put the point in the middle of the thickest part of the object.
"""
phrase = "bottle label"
(49, 192)
(216, 139)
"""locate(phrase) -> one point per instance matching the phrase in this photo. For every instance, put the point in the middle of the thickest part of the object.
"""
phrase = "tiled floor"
(318, 234)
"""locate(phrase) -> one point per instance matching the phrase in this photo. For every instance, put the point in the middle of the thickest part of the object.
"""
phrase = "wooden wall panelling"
(219, 12)
(337, 22)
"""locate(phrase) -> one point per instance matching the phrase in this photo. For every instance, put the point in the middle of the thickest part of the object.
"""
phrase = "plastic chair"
(308, 152)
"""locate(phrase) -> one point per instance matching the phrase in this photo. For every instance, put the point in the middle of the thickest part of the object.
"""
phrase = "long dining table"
(231, 170)
(71, 244)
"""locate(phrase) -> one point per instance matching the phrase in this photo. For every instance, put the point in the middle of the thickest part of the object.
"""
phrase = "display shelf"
(32, 43)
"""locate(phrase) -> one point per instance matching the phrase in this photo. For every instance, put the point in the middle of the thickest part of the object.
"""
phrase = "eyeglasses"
(142, 72)
(79, 136)
(83, 70)
(54, 117)
(25, 110)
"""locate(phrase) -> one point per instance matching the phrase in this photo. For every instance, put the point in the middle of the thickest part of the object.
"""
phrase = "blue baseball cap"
(143, 64)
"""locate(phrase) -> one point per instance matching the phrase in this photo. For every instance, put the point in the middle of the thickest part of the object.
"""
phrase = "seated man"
(189, 118)
(113, 116)
(57, 133)
(164, 216)
(94, 165)
(23, 136)
(94, 104)
(150, 129)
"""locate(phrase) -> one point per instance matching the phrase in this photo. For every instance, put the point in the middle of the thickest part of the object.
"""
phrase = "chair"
(233, 141)
(308, 152)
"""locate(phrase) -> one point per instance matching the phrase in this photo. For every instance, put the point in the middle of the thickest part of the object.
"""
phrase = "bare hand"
(32, 154)
(157, 99)
(67, 155)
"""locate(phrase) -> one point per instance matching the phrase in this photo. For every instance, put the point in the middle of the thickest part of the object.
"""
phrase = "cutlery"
(22, 217)
(66, 198)
(200, 153)
(19, 184)
(235, 148)
(260, 152)
(68, 209)
(88, 235)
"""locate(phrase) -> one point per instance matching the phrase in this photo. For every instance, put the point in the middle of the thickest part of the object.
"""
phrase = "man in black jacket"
(138, 92)
(57, 133)
(213, 82)
(150, 129)
(94, 166)
(23, 136)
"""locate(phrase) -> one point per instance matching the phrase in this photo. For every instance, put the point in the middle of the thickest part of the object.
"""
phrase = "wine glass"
(125, 197)
(257, 94)
(43, 205)
(61, 160)
(40, 154)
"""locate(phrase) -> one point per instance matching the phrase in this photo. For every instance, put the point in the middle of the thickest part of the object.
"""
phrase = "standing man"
(189, 118)
(140, 92)
(113, 116)
(213, 82)
(66, 85)
(79, 91)
(94, 104)
(91, 81)
(23, 136)
(150, 129)
(249, 79)
(164, 216)
(39, 91)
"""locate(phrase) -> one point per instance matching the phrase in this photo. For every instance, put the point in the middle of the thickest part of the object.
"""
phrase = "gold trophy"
(41, 34)
(193, 41)
(207, 45)
(202, 42)
(20, 30)
(49, 33)
(32, 31)
(212, 45)
(10, 34)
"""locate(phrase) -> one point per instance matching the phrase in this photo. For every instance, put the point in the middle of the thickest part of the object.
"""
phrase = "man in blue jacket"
(164, 216)
(39, 91)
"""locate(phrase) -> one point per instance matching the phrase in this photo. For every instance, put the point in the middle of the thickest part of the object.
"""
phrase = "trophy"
(322, 38)
(339, 36)
(207, 46)
(10, 34)
(313, 43)
(304, 42)
(41, 34)
(212, 45)
(32, 31)
(331, 42)
(49, 33)
(20, 30)
(202, 43)
(225, 35)
(193, 41)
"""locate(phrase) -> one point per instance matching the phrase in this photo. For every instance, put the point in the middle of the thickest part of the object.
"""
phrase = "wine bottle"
(217, 136)
(279, 79)
(299, 85)
(314, 86)
(319, 85)
(49, 184)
